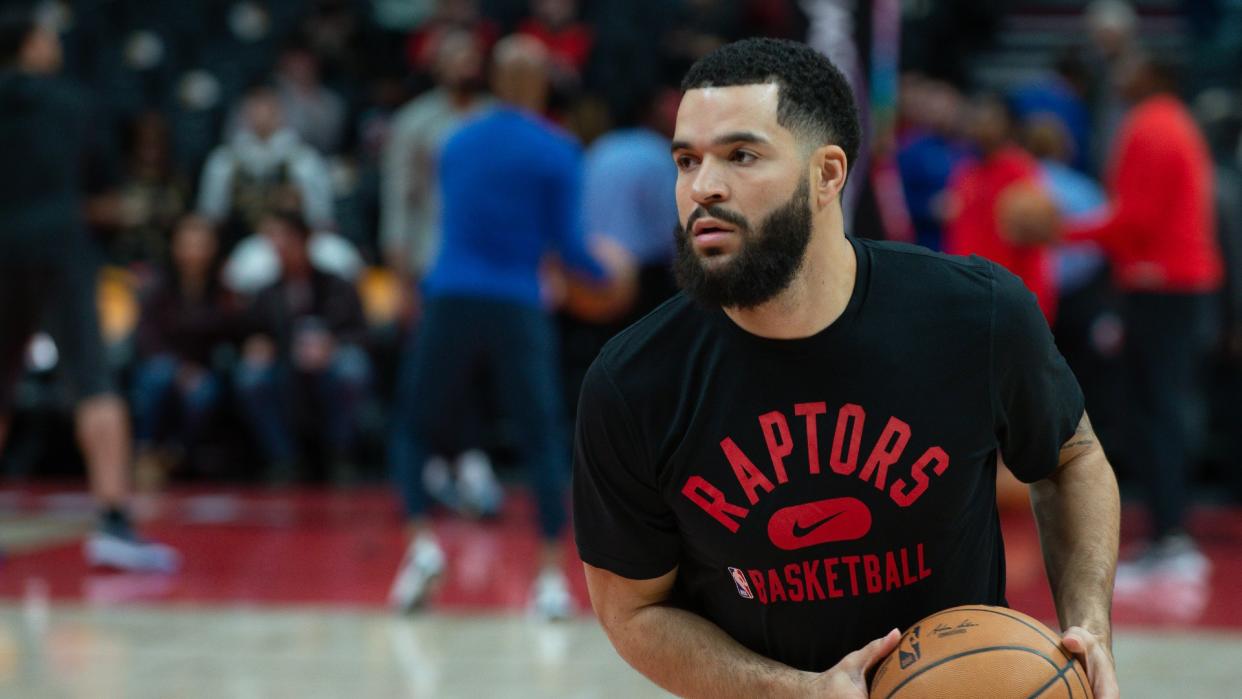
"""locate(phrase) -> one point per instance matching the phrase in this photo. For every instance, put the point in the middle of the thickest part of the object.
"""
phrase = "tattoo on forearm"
(1084, 436)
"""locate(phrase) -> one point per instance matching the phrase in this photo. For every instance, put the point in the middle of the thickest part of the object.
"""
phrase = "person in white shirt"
(256, 164)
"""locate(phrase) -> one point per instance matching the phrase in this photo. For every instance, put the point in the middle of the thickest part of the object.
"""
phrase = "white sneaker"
(423, 563)
(438, 480)
(550, 599)
(478, 490)
(109, 550)
(1173, 558)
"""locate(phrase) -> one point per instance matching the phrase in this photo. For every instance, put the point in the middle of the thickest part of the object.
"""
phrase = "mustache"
(717, 212)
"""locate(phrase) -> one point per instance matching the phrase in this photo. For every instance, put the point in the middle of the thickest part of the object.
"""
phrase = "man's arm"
(1078, 510)
(690, 656)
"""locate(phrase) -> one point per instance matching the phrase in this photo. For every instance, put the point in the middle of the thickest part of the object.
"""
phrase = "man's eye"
(742, 156)
(685, 162)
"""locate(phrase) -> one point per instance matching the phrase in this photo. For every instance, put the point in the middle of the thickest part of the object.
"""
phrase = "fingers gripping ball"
(1026, 215)
(980, 652)
(604, 302)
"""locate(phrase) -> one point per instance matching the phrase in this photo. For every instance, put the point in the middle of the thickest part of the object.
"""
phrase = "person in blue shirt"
(928, 156)
(628, 193)
(511, 194)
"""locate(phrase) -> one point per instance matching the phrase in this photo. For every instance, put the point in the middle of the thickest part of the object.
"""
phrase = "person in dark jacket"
(187, 318)
(47, 272)
(303, 360)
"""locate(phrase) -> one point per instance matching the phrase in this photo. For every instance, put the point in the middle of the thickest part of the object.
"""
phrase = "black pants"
(59, 297)
(1167, 339)
(516, 346)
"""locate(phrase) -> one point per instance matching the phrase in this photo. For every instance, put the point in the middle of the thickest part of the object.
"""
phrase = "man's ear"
(829, 167)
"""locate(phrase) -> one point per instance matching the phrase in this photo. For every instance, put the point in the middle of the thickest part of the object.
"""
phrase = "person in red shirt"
(1159, 234)
(554, 24)
(977, 189)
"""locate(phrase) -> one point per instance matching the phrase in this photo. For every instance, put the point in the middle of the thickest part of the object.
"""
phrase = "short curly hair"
(815, 98)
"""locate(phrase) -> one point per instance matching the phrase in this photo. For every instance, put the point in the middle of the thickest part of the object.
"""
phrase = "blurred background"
(254, 195)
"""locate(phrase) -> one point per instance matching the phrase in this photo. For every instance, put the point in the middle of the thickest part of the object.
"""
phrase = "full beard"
(762, 267)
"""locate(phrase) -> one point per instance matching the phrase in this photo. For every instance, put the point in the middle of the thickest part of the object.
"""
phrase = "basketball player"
(822, 415)
(46, 279)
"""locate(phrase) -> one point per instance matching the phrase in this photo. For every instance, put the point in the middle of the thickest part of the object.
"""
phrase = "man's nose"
(709, 186)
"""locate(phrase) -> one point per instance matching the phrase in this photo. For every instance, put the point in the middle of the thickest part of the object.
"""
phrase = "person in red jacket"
(978, 190)
(1159, 234)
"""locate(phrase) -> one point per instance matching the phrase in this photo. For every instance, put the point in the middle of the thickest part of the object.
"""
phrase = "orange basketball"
(980, 652)
(1026, 215)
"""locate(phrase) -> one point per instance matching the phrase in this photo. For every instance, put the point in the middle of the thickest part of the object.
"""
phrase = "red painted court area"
(341, 548)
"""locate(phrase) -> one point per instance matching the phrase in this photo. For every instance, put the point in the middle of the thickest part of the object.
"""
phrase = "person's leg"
(103, 429)
(435, 367)
(198, 400)
(154, 379)
(1163, 345)
(1170, 346)
(522, 354)
(260, 393)
(19, 317)
(340, 391)
(102, 422)
(435, 370)
(1145, 439)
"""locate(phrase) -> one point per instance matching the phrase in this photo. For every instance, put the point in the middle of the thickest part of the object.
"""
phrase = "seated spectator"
(152, 196)
(303, 362)
(254, 263)
(410, 188)
(449, 15)
(1063, 94)
(186, 317)
(1076, 195)
(628, 185)
(980, 191)
(244, 176)
(314, 111)
(554, 23)
(929, 151)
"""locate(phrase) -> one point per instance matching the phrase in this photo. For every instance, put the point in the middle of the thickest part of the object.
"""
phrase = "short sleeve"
(1037, 403)
(622, 522)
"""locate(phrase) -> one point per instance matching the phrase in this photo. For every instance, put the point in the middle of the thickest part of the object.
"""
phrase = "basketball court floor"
(282, 595)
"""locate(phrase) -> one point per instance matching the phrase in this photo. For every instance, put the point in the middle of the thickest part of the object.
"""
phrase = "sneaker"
(423, 563)
(550, 599)
(438, 481)
(107, 549)
(478, 490)
(1173, 558)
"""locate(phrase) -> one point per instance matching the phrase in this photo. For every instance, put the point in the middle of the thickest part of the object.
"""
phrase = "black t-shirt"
(816, 493)
(54, 153)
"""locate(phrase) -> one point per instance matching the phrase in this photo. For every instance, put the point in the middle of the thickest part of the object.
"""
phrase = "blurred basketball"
(980, 652)
(603, 302)
(1026, 215)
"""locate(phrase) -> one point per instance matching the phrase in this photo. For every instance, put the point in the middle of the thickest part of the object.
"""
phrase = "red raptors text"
(845, 457)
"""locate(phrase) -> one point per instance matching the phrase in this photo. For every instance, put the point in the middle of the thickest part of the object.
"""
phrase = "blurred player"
(47, 276)
(823, 414)
(1159, 235)
(511, 192)
(1001, 189)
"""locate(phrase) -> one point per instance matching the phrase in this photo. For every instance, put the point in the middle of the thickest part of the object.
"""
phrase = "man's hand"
(313, 349)
(259, 350)
(1093, 653)
(848, 678)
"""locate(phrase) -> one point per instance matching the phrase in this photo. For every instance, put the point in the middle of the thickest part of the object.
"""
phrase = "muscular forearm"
(692, 657)
(1078, 513)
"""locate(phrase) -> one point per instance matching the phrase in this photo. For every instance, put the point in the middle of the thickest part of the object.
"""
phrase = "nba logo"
(739, 581)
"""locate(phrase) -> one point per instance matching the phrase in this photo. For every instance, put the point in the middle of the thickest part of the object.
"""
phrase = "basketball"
(980, 652)
(1027, 215)
(605, 302)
